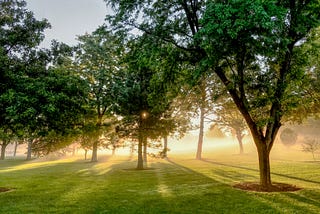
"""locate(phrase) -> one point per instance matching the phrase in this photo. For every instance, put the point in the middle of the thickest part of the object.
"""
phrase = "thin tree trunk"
(239, 137)
(15, 149)
(29, 150)
(145, 153)
(132, 150)
(94, 157)
(200, 139)
(113, 151)
(165, 147)
(85, 154)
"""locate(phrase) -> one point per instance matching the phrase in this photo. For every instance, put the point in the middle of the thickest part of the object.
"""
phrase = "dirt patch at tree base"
(276, 187)
(4, 189)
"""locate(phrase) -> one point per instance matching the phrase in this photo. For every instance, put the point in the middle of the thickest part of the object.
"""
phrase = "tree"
(113, 142)
(5, 136)
(254, 49)
(20, 34)
(229, 116)
(312, 146)
(144, 95)
(97, 61)
(206, 93)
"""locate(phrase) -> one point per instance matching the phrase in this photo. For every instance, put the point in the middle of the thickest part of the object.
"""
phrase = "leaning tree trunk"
(140, 157)
(200, 139)
(239, 138)
(94, 157)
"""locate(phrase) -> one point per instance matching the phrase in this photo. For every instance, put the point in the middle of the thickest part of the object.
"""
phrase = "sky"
(68, 18)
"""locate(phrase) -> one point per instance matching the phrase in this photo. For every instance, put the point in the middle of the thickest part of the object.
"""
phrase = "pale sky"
(68, 18)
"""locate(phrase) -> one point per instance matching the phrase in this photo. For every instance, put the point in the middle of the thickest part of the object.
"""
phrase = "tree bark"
(29, 150)
(94, 157)
(264, 165)
(140, 157)
(3, 150)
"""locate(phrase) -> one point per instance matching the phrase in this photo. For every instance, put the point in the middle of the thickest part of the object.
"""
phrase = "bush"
(288, 137)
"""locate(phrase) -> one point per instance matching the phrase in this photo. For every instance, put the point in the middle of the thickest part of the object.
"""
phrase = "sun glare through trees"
(166, 107)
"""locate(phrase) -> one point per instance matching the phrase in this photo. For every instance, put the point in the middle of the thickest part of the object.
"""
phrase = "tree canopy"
(253, 47)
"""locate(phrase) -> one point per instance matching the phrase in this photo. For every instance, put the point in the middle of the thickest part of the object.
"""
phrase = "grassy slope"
(180, 185)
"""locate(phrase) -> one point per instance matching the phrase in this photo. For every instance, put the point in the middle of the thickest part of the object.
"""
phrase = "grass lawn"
(178, 185)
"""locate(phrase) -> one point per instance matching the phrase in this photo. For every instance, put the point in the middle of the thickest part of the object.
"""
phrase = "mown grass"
(177, 185)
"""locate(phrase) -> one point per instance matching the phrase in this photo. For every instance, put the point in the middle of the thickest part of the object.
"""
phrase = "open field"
(178, 185)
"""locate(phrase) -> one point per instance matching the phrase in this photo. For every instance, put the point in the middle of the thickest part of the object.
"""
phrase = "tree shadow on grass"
(309, 197)
(168, 188)
(255, 170)
(104, 187)
(306, 201)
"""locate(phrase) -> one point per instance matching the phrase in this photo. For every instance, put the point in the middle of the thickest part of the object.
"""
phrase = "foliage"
(39, 96)
(288, 137)
(229, 118)
(144, 92)
(215, 132)
(97, 61)
(20, 34)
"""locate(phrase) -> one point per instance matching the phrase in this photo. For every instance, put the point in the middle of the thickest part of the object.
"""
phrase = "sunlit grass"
(177, 185)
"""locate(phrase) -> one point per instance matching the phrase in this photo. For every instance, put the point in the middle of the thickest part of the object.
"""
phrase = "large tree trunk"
(140, 157)
(165, 147)
(239, 138)
(264, 165)
(200, 139)
(94, 157)
(29, 150)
